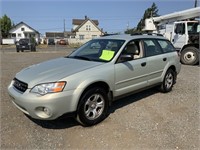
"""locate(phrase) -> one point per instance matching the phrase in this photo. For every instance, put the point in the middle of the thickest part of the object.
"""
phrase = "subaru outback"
(86, 82)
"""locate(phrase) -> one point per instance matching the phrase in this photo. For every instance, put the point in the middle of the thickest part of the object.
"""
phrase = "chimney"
(86, 17)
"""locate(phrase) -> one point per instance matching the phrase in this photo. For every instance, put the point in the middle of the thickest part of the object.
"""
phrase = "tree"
(130, 31)
(6, 25)
(149, 12)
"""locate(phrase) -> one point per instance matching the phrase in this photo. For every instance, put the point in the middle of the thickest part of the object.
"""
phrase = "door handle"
(164, 59)
(143, 64)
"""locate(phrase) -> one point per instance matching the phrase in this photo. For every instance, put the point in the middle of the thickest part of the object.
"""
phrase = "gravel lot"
(147, 120)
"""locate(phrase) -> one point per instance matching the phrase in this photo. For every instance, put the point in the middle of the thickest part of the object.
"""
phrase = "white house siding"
(88, 30)
(20, 33)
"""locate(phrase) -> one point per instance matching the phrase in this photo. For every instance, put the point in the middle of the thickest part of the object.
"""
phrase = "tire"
(93, 107)
(18, 50)
(190, 56)
(168, 81)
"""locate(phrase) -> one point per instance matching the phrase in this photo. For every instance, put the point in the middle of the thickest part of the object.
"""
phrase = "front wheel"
(93, 107)
(168, 81)
(189, 56)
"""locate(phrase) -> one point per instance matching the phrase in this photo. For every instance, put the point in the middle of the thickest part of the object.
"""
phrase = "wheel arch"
(174, 69)
(100, 84)
(196, 45)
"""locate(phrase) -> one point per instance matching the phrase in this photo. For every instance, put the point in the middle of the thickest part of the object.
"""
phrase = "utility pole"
(128, 25)
(64, 25)
(195, 3)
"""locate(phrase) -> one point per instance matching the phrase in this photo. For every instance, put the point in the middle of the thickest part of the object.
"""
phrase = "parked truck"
(182, 29)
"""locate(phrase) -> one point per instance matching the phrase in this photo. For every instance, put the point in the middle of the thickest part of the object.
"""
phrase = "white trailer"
(8, 41)
(182, 30)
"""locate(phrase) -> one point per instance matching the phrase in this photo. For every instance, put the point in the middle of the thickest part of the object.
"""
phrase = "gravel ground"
(147, 120)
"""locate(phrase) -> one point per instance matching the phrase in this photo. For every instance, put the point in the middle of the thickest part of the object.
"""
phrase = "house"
(22, 30)
(84, 30)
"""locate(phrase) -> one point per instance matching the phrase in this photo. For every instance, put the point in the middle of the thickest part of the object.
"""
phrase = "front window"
(19, 35)
(81, 37)
(102, 50)
(94, 36)
(13, 35)
(88, 28)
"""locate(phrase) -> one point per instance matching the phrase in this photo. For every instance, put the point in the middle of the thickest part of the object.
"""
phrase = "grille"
(19, 85)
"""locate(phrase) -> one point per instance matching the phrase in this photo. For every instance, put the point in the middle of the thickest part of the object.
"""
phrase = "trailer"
(8, 41)
(182, 29)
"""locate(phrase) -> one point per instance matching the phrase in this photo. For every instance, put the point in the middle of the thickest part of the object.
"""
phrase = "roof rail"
(143, 33)
(110, 34)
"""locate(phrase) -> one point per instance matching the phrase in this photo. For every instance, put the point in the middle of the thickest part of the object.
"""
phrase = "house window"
(22, 29)
(81, 37)
(33, 35)
(13, 35)
(88, 28)
(72, 36)
(94, 36)
(19, 35)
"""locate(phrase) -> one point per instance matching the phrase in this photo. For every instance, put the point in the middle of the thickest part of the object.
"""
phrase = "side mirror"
(124, 58)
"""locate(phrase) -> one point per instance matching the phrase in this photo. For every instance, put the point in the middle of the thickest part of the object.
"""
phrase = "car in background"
(63, 42)
(51, 42)
(26, 44)
(86, 82)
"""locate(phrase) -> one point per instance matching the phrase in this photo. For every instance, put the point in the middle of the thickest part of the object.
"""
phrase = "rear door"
(156, 60)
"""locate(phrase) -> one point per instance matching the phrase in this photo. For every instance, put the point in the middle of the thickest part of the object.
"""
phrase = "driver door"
(179, 36)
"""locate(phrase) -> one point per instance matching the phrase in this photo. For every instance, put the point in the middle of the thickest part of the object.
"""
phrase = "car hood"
(53, 70)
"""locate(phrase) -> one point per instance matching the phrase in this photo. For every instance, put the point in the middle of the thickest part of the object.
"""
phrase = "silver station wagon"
(87, 81)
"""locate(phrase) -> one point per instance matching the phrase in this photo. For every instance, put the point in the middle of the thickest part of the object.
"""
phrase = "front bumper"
(47, 107)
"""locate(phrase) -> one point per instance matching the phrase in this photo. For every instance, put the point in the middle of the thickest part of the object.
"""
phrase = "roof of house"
(25, 25)
(81, 22)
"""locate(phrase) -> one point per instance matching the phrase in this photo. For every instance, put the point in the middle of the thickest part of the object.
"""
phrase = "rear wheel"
(93, 107)
(189, 56)
(168, 81)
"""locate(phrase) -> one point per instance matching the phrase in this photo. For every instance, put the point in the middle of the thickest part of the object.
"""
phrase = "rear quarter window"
(166, 46)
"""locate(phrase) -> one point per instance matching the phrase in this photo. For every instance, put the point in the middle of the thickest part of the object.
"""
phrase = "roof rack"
(140, 33)
(110, 34)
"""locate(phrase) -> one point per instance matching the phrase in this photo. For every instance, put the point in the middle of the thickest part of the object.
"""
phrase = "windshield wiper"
(80, 57)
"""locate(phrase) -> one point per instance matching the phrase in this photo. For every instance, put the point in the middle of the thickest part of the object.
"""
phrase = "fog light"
(47, 111)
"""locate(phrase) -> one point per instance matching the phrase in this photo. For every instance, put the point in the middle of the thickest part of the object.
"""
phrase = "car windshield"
(102, 50)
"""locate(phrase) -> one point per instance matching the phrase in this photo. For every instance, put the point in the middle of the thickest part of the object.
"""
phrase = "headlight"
(46, 88)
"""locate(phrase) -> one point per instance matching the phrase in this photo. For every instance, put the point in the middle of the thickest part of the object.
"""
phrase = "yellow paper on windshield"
(107, 55)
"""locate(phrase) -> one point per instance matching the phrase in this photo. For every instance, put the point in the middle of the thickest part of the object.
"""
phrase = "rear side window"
(151, 48)
(166, 46)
